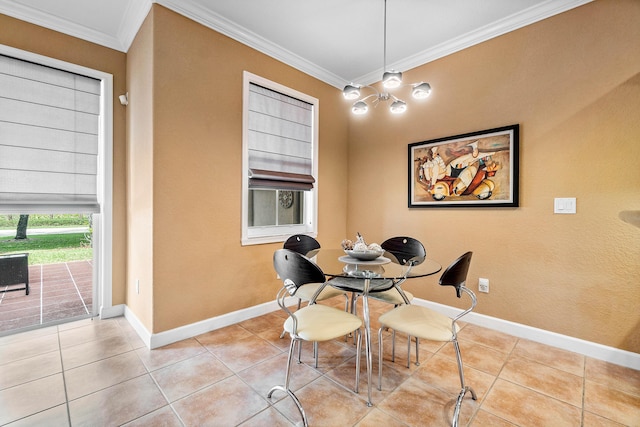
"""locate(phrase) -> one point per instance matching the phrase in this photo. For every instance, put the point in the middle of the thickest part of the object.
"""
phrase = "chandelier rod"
(384, 54)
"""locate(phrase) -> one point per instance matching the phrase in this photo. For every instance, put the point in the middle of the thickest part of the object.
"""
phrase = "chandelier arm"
(376, 95)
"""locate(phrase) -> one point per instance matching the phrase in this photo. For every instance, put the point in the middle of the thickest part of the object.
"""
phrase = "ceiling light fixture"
(391, 79)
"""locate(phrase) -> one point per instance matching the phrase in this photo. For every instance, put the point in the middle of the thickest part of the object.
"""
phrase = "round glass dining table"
(364, 277)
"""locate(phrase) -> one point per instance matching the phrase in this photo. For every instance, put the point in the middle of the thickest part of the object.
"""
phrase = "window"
(280, 152)
(49, 122)
(56, 132)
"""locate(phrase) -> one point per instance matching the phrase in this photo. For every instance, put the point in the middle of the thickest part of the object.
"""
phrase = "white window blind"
(49, 125)
(280, 141)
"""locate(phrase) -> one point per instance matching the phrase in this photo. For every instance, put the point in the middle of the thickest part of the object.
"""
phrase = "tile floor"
(56, 292)
(98, 373)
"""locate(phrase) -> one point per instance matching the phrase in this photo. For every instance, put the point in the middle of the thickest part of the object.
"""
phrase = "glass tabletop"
(332, 262)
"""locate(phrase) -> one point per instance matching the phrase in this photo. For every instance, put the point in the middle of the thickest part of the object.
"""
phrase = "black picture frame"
(471, 170)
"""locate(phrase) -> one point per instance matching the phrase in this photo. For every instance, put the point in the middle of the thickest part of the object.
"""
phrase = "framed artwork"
(478, 169)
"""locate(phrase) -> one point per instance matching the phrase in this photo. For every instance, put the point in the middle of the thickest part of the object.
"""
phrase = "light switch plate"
(564, 205)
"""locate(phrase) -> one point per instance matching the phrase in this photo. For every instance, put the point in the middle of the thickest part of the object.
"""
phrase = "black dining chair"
(314, 322)
(309, 247)
(405, 251)
(423, 323)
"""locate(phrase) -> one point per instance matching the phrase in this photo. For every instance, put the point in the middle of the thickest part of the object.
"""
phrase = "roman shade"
(280, 141)
(49, 126)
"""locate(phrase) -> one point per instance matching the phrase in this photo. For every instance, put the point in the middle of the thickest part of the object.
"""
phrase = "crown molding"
(133, 17)
(42, 19)
(216, 22)
(137, 11)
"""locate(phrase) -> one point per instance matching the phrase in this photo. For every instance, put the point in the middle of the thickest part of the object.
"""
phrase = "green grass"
(49, 248)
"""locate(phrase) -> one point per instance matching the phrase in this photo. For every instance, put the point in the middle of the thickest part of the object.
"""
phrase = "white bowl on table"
(367, 255)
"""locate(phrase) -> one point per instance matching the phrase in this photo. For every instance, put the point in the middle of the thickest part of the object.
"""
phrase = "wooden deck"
(56, 292)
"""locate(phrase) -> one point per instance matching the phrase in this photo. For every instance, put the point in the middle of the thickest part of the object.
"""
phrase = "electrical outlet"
(138, 286)
(483, 285)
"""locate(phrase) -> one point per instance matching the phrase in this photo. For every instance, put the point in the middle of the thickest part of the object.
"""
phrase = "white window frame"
(277, 233)
(103, 221)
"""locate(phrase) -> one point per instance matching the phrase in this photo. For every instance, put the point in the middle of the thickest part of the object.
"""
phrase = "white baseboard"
(565, 342)
(113, 311)
(587, 348)
(188, 331)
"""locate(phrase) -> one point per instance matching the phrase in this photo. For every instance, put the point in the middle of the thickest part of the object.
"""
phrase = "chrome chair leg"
(315, 353)
(417, 351)
(380, 359)
(408, 350)
(463, 388)
(393, 345)
(286, 388)
(358, 353)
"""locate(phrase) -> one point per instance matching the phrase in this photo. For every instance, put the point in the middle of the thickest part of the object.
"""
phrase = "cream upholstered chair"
(314, 322)
(424, 323)
(309, 247)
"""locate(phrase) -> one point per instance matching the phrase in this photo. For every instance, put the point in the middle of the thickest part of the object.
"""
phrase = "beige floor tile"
(242, 353)
(271, 372)
(555, 357)
(612, 404)
(326, 404)
(188, 376)
(377, 418)
(24, 349)
(442, 372)
(262, 323)
(94, 330)
(226, 403)
(164, 417)
(104, 373)
(130, 333)
(272, 336)
(117, 404)
(426, 348)
(616, 376)
(488, 337)
(222, 378)
(36, 333)
(525, 407)
(75, 324)
(484, 419)
(593, 420)
(54, 417)
(30, 398)
(223, 335)
(170, 354)
(553, 382)
(269, 417)
(393, 374)
(478, 356)
(93, 351)
(25, 370)
(418, 404)
(331, 354)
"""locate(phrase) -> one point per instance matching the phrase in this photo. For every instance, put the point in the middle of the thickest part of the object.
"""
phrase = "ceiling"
(336, 41)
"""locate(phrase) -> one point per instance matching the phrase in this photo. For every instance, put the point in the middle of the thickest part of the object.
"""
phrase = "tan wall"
(41, 41)
(200, 270)
(572, 82)
(140, 215)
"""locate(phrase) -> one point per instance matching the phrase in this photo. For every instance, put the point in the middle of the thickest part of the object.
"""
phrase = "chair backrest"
(456, 274)
(302, 244)
(296, 270)
(404, 250)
